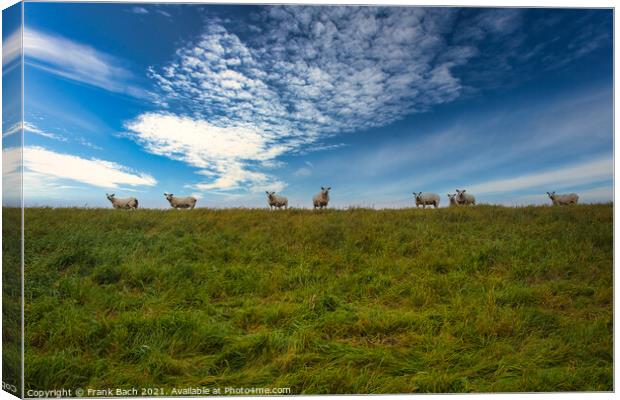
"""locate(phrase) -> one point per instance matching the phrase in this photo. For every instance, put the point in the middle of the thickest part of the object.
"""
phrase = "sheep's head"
(551, 195)
(270, 194)
(417, 195)
(325, 191)
(110, 196)
(452, 197)
(168, 196)
(460, 194)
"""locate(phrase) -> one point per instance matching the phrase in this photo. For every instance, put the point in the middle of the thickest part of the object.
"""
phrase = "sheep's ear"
(329, 188)
(322, 188)
(266, 192)
(464, 190)
(112, 195)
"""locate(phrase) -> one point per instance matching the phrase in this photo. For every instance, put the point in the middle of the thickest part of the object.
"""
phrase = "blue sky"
(225, 102)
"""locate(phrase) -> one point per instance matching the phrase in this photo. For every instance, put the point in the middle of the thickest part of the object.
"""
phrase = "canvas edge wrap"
(12, 201)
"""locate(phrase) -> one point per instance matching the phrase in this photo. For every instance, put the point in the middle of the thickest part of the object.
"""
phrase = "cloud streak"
(78, 62)
(11, 50)
(44, 168)
(584, 173)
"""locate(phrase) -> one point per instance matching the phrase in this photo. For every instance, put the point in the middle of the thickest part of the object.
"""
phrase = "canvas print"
(204, 199)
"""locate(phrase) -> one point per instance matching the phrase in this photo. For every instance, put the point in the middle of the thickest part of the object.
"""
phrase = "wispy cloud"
(305, 171)
(12, 130)
(574, 175)
(32, 128)
(78, 62)
(11, 50)
(49, 169)
(139, 10)
(153, 8)
(164, 13)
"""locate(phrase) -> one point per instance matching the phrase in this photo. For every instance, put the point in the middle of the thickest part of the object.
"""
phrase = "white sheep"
(426, 199)
(130, 203)
(321, 199)
(181, 202)
(465, 198)
(453, 201)
(563, 199)
(276, 201)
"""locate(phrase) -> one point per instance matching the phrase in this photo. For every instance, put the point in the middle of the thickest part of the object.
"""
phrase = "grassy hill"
(360, 301)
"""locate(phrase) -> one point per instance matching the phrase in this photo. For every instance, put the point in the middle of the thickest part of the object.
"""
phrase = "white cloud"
(139, 10)
(164, 13)
(11, 50)
(574, 175)
(303, 172)
(597, 195)
(227, 155)
(78, 62)
(47, 169)
(12, 130)
(32, 128)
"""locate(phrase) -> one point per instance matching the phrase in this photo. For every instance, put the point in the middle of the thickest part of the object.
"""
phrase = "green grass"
(474, 299)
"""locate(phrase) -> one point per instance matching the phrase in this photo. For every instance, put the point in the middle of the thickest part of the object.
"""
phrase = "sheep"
(563, 199)
(276, 201)
(465, 198)
(321, 199)
(426, 199)
(181, 202)
(130, 203)
(453, 201)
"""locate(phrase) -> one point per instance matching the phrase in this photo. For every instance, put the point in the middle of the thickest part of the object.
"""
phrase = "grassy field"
(452, 300)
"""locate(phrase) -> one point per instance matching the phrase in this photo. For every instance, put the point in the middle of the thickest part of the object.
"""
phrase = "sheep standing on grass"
(130, 203)
(276, 201)
(426, 199)
(321, 199)
(181, 202)
(465, 198)
(453, 201)
(563, 199)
